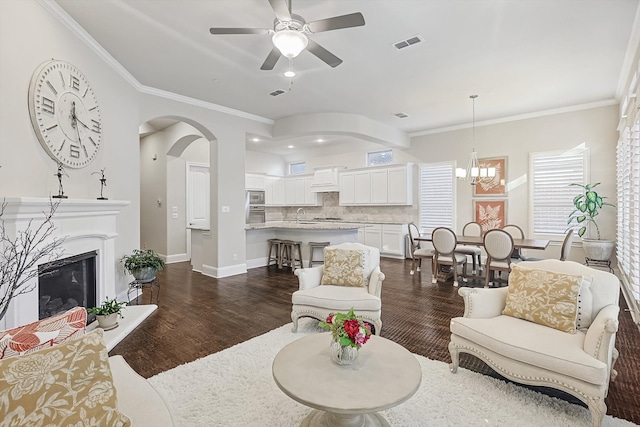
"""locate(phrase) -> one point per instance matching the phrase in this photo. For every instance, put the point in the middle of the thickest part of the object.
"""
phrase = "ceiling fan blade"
(322, 53)
(337, 22)
(217, 31)
(281, 9)
(271, 60)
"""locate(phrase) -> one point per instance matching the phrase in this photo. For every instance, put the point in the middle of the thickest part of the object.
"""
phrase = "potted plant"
(143, 264)
(107, 313)
(587, 207)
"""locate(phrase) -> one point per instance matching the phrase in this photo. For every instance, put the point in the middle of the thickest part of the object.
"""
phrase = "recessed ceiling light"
(319, 140)
(289, 146)
(290, 73)
(255, 139)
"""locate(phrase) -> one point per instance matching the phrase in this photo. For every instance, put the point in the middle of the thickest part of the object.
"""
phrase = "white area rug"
(235, 388)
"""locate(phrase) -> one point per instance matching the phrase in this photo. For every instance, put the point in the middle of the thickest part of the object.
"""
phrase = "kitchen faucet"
(298, 213)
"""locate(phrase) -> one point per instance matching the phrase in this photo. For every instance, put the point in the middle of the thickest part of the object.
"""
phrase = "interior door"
(197, 196)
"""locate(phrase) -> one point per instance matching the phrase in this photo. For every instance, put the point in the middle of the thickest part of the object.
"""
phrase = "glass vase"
(342, 355)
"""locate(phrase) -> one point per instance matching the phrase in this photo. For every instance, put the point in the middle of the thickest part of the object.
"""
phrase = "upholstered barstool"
(312, 247)
(271, 257)
(291, 254)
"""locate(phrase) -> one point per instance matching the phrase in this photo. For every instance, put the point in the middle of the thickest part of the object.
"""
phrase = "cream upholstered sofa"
(59, 352)
(313, 299)
(579, 363)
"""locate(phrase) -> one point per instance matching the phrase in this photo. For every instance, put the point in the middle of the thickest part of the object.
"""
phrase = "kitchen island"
(303, 231)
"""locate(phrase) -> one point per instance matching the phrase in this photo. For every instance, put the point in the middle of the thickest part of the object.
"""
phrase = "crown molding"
(533, 115)
(628, 64)
(61, 15)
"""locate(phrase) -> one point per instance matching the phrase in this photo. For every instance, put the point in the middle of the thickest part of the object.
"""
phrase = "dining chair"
(499, 246)
(444, 242)
(471, 229)
(566, 245)
(516, 232)
(418, 253)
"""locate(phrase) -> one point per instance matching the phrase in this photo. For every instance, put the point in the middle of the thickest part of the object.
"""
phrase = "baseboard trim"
(218, 273)
(170, 259)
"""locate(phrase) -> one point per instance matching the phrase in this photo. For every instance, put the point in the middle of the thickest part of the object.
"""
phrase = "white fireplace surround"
(85, 225)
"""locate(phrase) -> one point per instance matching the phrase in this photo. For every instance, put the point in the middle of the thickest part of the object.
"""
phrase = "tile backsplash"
(331, 209)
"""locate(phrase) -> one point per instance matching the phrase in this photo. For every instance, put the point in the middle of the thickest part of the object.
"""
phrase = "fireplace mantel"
(85, 225)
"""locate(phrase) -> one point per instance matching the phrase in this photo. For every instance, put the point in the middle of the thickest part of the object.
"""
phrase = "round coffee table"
(384, 375)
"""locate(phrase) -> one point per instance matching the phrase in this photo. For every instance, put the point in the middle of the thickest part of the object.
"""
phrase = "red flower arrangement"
(347, 329)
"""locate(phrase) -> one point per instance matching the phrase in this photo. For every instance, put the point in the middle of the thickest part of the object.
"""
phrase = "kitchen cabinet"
(290, 191)
(362, 188)
(379, 188)
(388, 185)
(347, 188)
(254, 181)
(388, 238)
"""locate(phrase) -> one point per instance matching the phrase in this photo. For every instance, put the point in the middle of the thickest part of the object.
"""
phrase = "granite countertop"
(307, 225)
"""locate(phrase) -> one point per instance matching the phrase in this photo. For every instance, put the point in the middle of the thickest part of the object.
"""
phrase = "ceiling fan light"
(290, 42)
(290, 73)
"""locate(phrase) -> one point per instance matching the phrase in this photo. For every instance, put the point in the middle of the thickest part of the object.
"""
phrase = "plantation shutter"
(628, 197)
(437, 195)
(551, 194)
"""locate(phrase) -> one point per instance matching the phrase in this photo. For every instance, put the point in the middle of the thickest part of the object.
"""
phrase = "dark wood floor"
(199, 315)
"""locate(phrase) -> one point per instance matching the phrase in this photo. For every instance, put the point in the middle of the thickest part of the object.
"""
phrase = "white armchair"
(580, 364)
(318, 301)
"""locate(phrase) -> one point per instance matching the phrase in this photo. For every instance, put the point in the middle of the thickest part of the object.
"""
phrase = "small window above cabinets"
(379, 186)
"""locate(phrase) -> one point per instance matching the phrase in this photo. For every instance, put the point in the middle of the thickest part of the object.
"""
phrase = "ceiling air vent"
(408, 42)
(401, 115)
(276, 92)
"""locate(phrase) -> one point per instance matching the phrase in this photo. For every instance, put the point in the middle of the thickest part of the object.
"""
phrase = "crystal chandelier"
(474, 174)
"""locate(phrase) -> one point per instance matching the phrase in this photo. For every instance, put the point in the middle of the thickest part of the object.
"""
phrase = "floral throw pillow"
(544, 297)
(343, 267)
(43, 333)
(69, 384)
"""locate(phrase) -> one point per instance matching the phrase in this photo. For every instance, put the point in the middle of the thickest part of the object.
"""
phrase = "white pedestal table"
(384, 375)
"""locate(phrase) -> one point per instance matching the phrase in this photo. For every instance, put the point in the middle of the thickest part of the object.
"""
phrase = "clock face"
(65, 113)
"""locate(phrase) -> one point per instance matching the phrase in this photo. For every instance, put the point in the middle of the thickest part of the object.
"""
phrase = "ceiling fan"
(289, 33)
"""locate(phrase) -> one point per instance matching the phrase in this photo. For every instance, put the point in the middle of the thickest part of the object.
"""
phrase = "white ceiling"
(519, 56)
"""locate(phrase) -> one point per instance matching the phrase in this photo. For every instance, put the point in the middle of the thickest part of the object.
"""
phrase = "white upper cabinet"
(387, 185)
(290, 191)
(254, 181)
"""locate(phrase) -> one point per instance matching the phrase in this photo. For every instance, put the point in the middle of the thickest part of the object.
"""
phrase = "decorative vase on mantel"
(342, 355)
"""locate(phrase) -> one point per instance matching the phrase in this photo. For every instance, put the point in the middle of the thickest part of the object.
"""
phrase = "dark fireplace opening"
(67, 283)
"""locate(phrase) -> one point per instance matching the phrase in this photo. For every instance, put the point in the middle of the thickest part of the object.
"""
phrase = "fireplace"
(87, 226)
(67, 283)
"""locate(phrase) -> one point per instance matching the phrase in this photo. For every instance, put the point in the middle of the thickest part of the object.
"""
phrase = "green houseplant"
(587, 207)
(108, 312)
(143, 264)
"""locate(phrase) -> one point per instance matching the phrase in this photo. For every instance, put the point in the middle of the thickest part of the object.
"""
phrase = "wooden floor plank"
(199, 315)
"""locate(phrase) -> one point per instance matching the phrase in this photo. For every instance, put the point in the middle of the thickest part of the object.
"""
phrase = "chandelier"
(474, 174)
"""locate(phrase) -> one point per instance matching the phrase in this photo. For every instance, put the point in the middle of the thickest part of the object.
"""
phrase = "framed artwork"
(490, 214)
(495, 186)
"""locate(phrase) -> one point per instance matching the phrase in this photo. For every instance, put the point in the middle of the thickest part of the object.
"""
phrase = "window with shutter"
(437, 195)
(628, 197)
(551, 195)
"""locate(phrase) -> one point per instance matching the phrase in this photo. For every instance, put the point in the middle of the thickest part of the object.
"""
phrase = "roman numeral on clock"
(48, 106)
(74, 151)
(74, 83)
(95, 126)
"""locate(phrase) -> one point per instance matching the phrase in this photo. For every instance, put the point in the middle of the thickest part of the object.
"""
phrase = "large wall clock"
(65, 113)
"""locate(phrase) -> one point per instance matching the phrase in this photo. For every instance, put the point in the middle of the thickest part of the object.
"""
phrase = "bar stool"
(274, 244)
(312, 247)
(288, 255)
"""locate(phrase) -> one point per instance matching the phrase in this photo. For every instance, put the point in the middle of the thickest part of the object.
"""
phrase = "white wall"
(29, 36)
(270, 164)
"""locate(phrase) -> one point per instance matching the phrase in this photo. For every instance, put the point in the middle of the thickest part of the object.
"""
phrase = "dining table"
(540, 244)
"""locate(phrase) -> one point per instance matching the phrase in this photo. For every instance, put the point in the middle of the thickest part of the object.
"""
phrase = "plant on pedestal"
(143, 264)
(587, 206)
